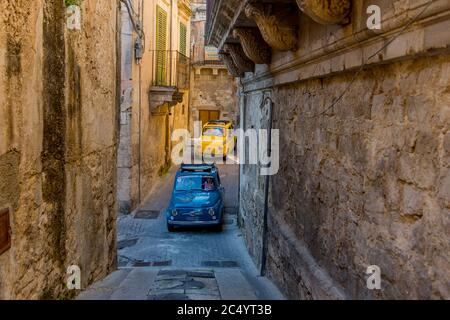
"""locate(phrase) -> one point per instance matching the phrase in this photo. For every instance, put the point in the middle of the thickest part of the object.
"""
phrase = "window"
(195, 183)
(214, 132)
(161, 46)
(183, 39)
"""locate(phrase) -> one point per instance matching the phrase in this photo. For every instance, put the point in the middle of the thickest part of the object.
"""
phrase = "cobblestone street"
(187, 264)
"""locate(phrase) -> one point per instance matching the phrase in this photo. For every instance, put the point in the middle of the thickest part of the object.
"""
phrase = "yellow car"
(217, 139)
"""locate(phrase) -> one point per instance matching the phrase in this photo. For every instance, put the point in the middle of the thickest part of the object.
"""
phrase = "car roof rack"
(218, 122)
(198, 168)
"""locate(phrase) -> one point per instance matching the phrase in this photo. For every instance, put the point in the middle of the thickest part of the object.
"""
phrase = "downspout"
(266, 193)
(140, 110)
(118, 69)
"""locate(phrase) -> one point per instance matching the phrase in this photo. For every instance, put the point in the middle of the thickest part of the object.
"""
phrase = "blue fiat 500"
(197, 198)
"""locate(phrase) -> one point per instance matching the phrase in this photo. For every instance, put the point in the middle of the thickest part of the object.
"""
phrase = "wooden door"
(208, 115)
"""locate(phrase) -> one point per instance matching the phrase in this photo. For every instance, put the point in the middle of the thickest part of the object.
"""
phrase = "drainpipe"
(266, 192)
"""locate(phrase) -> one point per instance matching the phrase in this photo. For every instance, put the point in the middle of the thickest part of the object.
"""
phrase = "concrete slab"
(233, 285)
(136, 285)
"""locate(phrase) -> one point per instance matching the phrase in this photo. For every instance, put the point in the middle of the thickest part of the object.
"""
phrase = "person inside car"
(209, 184)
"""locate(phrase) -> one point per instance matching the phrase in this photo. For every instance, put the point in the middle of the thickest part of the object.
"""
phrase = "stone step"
(233, 285)
(136, 285)
(103, 290)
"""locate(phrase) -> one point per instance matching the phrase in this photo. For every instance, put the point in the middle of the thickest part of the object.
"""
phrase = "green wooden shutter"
(183, 39)
(161, 46)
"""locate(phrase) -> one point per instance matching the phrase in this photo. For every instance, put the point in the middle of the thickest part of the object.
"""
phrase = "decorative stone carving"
(231, 66)
(240, 59)
(326, 11)
(254, 45)
(278, 24)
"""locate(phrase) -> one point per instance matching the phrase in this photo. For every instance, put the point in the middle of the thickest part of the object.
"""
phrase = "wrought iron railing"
(209, 63)
(170, 69)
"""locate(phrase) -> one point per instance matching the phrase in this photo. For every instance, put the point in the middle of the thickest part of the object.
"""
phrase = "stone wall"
(213, 92)
(366, 181)
(57, 145)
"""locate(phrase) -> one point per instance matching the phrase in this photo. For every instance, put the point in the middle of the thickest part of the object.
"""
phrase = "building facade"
(58, 143)
(363, 111)
(213, 89)
(155, 92)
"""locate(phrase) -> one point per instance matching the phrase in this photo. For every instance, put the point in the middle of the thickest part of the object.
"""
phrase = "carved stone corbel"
(231, 66)
(326, 11)
(253, 44)
(278, 24)
(240, 59)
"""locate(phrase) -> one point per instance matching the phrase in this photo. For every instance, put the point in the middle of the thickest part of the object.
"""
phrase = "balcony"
(170, 77)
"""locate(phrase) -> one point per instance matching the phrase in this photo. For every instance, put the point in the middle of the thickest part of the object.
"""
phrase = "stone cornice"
(184, 6)
(224, 15)
(278, 24)
(254, 45)
(326, 11)
(239, 57)
(347, 53)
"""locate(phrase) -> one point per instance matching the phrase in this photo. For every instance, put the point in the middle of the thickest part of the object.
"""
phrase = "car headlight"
(174, 213)
(212, 212)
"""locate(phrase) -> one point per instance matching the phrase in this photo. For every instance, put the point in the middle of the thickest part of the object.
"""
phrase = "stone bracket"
(231, 66)
(253, 44)
(240, 59)
(326, 11)
(159, 96)
(278, 24)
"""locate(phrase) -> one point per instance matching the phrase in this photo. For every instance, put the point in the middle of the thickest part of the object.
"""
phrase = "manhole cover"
(147, 214)
(126, 243)
(220, 264)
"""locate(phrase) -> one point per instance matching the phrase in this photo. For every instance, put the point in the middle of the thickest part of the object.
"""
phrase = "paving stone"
(169, 284)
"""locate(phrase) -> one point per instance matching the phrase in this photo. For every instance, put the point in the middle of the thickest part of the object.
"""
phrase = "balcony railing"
(208, 63)
(170, 69)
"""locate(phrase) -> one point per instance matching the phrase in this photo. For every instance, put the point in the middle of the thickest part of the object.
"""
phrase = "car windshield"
(214, 132)
(192, 183)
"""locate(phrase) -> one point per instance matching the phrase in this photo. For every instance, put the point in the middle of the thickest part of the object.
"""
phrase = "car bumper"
(194, 223)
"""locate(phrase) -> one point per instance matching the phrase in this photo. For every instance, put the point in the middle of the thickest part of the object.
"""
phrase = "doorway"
(208, 115)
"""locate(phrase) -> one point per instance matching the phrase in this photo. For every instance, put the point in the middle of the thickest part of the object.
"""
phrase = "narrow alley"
(211, 150)
(189, 264)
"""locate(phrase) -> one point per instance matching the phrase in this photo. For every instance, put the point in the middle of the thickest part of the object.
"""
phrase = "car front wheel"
(170, 228)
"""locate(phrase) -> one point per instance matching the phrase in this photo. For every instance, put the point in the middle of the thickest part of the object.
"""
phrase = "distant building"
(213, 89)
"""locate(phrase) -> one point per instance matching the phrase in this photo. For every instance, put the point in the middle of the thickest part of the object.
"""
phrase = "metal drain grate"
(220, 264)
(141, 264)
(147, 214)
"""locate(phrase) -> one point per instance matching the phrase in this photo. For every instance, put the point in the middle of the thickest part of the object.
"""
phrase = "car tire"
(218, 228)
(170, 228)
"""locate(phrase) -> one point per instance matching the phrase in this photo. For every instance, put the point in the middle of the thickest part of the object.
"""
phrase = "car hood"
(197, 199)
